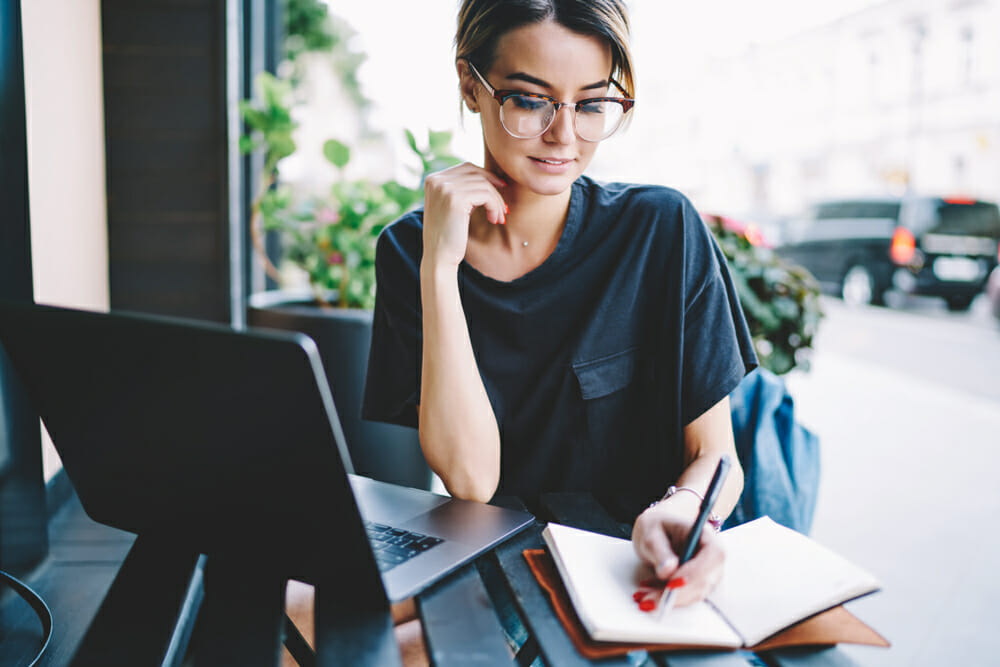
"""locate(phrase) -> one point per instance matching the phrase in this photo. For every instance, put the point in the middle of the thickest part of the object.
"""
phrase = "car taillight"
(903, 247)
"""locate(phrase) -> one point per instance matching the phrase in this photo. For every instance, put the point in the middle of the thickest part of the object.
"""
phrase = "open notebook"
(774, 578)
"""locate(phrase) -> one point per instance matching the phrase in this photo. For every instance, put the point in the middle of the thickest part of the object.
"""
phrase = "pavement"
(909, 491)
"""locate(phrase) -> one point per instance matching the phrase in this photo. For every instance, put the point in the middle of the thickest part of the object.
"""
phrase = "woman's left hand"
(659, 536)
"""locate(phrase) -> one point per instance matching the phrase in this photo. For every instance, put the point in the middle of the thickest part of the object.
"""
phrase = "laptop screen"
(227, 441)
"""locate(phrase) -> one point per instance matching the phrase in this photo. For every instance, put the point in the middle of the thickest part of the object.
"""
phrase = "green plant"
(270, 126)
(780, 300)
(310, 28)
(333, 238)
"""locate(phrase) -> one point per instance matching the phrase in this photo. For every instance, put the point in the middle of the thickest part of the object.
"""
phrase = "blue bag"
(780, 457)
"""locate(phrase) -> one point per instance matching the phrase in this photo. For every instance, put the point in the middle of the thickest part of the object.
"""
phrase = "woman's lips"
(552, 165)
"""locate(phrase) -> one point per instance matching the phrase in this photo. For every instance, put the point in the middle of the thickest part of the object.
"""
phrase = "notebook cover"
(833, 626)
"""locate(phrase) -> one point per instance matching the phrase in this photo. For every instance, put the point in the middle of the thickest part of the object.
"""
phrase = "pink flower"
(335, 258)
(327, 216)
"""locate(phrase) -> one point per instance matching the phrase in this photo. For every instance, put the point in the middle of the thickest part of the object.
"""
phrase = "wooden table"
(237, 618)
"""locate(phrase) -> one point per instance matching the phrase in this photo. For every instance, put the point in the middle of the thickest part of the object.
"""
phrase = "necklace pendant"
(524, 243)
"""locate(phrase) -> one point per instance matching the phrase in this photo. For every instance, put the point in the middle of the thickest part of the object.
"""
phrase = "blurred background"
(846, 154)
(758, 111)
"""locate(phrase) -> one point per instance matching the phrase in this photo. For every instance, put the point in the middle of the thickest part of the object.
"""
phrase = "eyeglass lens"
(526, 117)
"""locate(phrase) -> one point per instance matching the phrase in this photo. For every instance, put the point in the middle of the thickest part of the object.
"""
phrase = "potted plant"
(780, 300)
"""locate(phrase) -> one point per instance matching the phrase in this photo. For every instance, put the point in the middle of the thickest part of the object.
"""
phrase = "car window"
(856, 209)
(977, 219)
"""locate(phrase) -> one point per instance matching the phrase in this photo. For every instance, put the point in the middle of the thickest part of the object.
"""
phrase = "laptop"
(229, 442)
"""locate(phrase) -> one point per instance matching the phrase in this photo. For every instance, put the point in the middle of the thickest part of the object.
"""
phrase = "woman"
(549, 333)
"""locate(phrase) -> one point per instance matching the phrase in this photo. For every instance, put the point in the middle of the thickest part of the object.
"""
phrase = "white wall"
(65, 114)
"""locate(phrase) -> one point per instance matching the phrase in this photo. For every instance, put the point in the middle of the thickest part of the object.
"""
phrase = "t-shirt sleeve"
(717, 349)
(392, 386)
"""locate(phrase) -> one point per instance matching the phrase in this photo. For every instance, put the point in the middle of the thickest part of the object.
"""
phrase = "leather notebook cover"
(830, 627)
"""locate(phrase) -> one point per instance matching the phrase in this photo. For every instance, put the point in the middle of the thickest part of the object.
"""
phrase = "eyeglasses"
(529, 115)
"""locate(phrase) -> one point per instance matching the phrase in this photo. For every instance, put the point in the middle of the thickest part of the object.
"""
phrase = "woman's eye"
(592, 107)
(528, 103)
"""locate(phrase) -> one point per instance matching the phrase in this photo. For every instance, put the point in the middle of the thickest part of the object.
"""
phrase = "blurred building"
(904, 95)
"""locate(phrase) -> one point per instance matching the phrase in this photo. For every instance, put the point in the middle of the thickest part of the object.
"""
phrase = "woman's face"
(549, 59)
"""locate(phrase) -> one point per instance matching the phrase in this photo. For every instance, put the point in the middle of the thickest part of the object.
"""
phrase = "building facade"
(902, 96)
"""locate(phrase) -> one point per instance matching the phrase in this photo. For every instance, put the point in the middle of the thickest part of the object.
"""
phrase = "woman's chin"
(550, 184)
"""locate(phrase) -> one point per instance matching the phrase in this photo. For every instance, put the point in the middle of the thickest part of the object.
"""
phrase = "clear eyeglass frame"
(504, 96)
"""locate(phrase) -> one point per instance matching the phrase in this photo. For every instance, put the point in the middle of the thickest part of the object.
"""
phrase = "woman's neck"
(533, 220)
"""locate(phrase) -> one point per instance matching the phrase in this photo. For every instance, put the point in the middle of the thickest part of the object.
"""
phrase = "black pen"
(714, 488)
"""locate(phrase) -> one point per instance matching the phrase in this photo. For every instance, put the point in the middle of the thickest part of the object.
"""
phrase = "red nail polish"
(647, 605)
(638, 596)
(676, 583)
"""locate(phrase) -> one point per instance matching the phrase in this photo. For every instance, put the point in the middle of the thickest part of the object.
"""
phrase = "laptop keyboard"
(393, 546)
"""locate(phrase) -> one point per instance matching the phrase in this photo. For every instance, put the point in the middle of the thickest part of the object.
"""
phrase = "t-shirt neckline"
(569, 232)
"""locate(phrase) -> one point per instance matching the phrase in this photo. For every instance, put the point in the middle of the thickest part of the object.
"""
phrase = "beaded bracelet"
(714, 519)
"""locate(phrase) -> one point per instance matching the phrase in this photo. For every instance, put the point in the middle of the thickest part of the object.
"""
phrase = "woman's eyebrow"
(527, 78)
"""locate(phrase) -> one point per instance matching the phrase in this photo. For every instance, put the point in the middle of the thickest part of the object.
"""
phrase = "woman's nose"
(563, 128)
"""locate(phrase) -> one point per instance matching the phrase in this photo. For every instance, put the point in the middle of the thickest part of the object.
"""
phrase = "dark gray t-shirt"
(595, 360)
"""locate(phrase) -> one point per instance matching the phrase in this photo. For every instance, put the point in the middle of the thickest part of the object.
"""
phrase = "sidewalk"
(909, 490)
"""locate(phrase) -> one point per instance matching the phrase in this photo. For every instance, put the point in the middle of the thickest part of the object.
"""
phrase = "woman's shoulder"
(662, 210)
(641, 197)
(404, 235)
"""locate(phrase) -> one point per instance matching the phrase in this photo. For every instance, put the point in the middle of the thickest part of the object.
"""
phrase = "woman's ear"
(467, 85)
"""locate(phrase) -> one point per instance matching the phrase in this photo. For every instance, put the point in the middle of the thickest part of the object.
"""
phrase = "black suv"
(860, 248)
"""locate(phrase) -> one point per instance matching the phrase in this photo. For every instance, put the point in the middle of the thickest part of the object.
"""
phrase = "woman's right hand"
(450, 197)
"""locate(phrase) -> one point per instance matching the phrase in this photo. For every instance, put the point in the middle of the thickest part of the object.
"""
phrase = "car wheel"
(957, 304)
(858, 287)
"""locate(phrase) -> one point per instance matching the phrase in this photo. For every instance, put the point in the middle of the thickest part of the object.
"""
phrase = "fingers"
(650, 540)
(466, 187)
(657, 539)
(703, 572)
(492, 178)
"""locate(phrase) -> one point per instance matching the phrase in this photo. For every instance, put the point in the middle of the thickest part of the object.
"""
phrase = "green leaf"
(337, 153)
(282, 145)
(412, 141)
(247, 144)
(439, 142)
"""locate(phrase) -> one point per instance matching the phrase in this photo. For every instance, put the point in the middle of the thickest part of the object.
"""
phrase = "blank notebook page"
(775, 577)
(601, 573)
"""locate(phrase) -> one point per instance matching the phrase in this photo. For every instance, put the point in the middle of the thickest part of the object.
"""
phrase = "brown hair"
(481, 24)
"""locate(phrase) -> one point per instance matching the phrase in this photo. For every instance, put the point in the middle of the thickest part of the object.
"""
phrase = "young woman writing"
(546, 332)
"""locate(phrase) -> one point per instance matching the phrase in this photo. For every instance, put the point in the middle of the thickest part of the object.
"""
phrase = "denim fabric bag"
(780, 457)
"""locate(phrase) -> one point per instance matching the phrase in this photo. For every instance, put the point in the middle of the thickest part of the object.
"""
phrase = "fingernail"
(647, 605)
(638, 596)
(676, 582)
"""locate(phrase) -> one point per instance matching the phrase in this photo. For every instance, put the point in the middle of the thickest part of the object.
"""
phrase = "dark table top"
(227, 616)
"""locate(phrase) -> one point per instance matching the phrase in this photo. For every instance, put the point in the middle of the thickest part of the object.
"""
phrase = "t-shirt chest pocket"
(612, 399)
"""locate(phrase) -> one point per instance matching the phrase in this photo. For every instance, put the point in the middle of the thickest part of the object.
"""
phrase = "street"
(906, 403)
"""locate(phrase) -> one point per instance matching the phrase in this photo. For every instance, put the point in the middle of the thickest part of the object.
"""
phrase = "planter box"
(385, 452)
